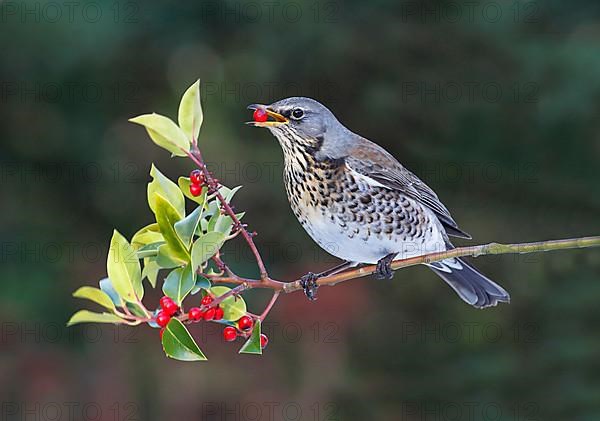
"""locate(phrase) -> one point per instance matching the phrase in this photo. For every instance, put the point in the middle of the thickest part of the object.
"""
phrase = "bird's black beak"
(276, 118)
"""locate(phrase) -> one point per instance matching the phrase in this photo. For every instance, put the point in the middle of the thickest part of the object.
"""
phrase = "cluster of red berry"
(213, 313)
(168, 309)
(196, 182)
(245, 323)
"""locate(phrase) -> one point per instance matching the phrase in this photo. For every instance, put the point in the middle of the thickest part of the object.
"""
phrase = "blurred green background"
(494, 104)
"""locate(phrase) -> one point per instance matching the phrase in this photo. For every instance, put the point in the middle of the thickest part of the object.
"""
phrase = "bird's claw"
(384, 267)
(309, 284)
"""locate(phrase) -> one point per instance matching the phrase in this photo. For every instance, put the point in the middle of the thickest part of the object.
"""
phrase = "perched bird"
(360, 204)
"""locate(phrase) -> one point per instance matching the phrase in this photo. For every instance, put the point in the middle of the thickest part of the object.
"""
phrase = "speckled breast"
(349, 217)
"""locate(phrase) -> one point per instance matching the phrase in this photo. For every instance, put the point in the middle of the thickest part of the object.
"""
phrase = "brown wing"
(374, 162)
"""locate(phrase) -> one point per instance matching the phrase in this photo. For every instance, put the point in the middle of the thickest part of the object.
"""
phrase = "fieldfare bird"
(360, 204)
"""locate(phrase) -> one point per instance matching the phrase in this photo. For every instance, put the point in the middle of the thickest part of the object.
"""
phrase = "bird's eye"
(297, 114)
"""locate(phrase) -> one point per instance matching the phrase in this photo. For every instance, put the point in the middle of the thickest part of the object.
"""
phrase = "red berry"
(209, 314)
(229, 333)
(264, 340)
(196, 177)
(219, 313)
(195, 313)
(195, 190)
(245, 323)
(165, 301)
(206, 300)
(162, 319)
(260, 115)
(168, 305)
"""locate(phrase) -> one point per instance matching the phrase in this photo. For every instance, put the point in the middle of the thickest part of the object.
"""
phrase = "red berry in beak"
(229, 333)
(260, 115)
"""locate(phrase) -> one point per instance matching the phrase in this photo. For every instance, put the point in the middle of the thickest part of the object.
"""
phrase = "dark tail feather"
(473, 287)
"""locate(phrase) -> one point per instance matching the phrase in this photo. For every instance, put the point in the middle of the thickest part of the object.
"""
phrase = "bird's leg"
(309, 281)
(384, 267)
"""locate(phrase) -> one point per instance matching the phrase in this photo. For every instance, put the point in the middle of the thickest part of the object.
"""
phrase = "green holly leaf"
(252, 345)
(164, 132)
(162, 186)
(179, 283)
(233, 307)
(124, 269)
(184, 186)
(190, 112)
(150, 270)
(186, 228)
(86, 316)
(166, 258)
(205, 247)
(228, 195)
(96, 295)
(149, 250)
(223, 224)
(147, 235)
(107, 287)
(167, 216)
(179, 344)
(136, 309)
(201, 283)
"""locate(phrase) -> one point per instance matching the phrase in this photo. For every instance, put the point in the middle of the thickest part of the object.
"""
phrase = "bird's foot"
(309, 284)
(384, 267)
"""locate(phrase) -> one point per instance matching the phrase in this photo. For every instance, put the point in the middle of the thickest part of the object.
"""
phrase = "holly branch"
(188, 245)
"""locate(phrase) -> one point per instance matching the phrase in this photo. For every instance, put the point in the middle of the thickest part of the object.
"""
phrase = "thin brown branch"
(196, 156)
(473, 251)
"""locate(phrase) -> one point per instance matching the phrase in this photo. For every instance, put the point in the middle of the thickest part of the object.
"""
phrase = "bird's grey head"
(301, 121)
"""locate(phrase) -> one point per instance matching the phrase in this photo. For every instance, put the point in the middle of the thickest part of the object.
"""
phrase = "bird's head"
(301, 121)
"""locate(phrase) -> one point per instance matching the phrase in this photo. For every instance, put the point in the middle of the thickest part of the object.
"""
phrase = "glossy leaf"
(136, 310)
(201, 283)
(179, 344)
(96, 295)
(147, 235)
(229, 195)
(252, 345)
(190, 112)
(149, 250)
(167, 216)
(186, 228)
(124, 269)
(161, 185)
(150, 271)
(223, 224)
(107, 287)
(166, 258)
(179, 283)
(205, 247)
(164, 132)
(86, 316)
(233, 307)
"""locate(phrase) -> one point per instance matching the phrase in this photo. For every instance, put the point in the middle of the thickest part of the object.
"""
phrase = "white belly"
(348, 244)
